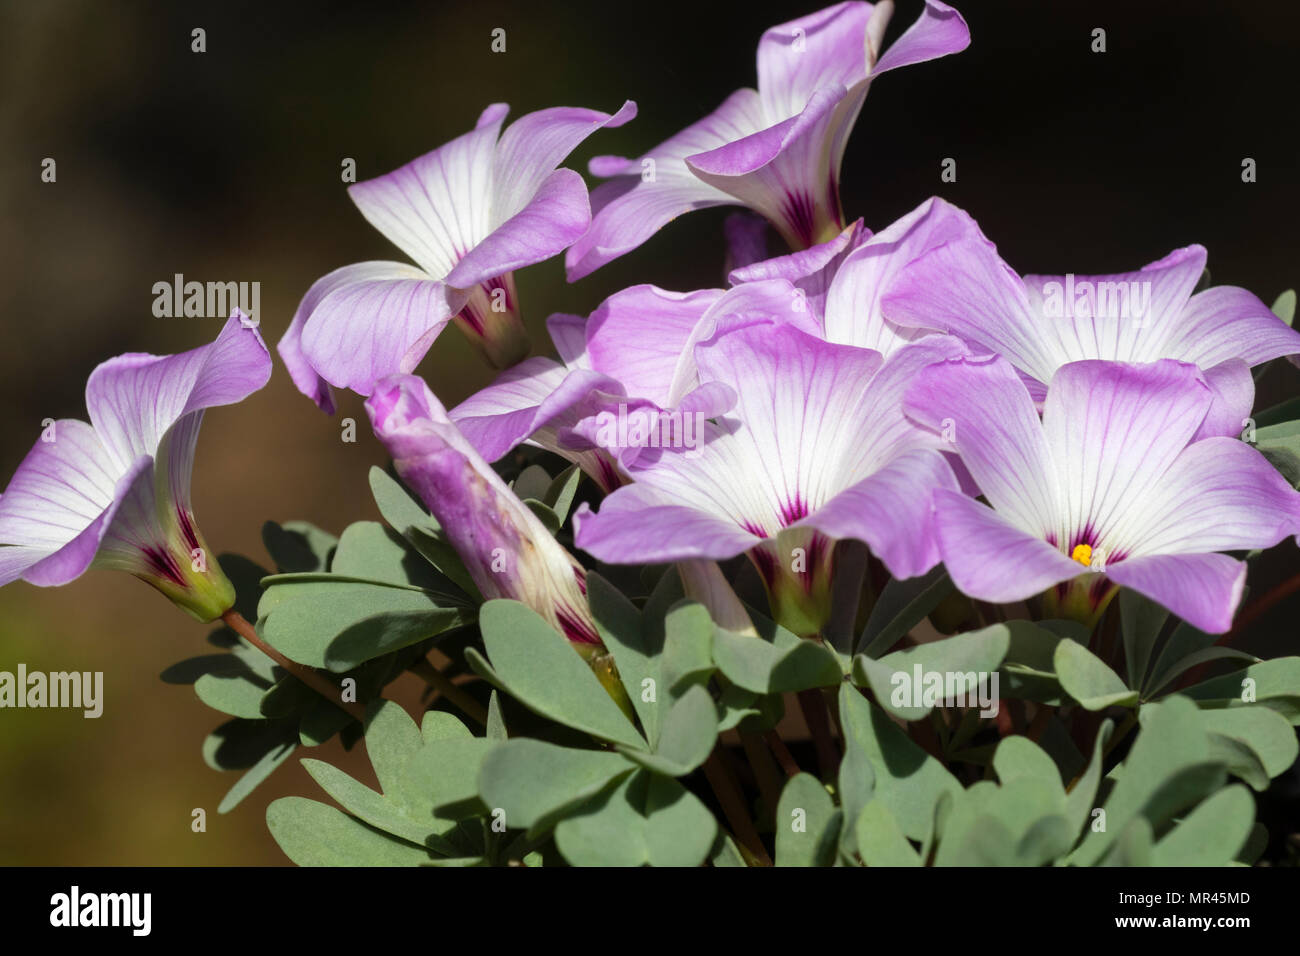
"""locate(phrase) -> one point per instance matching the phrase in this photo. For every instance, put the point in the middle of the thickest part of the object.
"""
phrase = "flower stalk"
(308, 675)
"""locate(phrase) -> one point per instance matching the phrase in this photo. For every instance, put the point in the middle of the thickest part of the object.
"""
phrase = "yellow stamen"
(1083, 554)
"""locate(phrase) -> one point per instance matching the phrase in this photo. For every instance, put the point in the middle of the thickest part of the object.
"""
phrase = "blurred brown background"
(225, 166)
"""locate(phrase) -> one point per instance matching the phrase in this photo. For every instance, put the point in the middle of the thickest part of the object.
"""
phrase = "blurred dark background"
(225, 166)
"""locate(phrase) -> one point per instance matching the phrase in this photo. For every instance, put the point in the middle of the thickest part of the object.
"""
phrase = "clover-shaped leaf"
(645, 819)
(963, 665)
(807, 824)
(1088, 680)
(533, 783)
(316, 834)
(534, 663)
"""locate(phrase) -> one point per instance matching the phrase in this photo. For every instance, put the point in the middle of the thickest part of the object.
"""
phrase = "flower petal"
(1124, 317)
(812, 270)
(535, 144)
(505, 547)
(826, 48)
(624, 427)
(535, 394)
(1233, 388)
(1226, 323)
(770, 302)
(885, 420)
(804, 430)
(789, 172)
(131, 506)
(59, 490)
(963, 287)
(637, 336)
(643, 197)
(1114, 429)
(304, 376)
(854, 315)
(438, 207)
(364, 330)
(802, 403)
(891, 510)
(569, 333)
(547, 225)
(990, 558)
(15, 559)
(1219, 494)
(938, 31)
(134, 398)
(1203, 589)
(640, 524)
(133, 538)
(497, 418)
(981, 405)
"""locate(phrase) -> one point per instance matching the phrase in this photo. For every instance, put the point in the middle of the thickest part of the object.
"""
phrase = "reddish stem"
(783, 755)
(813, 705)
(308, 675)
